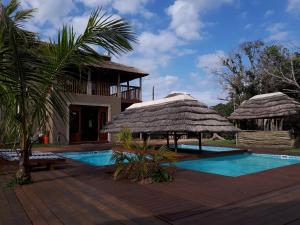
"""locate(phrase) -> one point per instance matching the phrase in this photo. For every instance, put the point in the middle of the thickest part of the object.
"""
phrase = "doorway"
(86, 123)
(89, 123)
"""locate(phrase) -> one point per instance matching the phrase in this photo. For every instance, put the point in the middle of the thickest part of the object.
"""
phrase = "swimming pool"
(205, 148)
(94, 158)
(239, 164)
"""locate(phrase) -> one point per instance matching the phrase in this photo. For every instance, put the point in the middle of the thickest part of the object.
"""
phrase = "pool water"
(94, 158)
(206, 148)
(239, 164)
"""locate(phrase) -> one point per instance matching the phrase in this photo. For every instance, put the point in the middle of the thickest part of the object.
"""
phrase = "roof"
(126, 72)
(179, 113)
(118, 66)
(270, 105)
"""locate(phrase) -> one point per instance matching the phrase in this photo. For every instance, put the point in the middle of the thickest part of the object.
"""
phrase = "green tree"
(224, 109)
(241, 76)
(30, 70)
(256, 68)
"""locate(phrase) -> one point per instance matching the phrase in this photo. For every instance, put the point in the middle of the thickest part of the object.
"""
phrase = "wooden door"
(103, 118)
(74, 124)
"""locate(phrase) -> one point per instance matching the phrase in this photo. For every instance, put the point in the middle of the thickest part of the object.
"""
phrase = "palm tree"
(30, 70)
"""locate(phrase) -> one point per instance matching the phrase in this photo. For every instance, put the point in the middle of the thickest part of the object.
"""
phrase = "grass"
(214, 142)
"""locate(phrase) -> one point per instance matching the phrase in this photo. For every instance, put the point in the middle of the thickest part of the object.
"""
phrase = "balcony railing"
(76, 86)
(126, 93)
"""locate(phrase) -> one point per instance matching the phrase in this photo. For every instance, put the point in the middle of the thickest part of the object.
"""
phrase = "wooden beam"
(145, 137)
(140, 89)
(118, 86)
(200, 141)
(89, 83)
(168, 141)
(175, 141)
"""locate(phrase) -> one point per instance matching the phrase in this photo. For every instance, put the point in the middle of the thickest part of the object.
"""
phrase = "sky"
(180, 41)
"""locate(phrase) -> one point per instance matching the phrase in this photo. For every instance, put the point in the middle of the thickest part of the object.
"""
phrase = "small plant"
(125, 137)
(142, 162)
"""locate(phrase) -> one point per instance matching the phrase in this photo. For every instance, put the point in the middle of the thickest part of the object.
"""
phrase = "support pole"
(141, 97)
(145, 137)
(168, 141)
(200, 141)
(118, 86)
(175, 141)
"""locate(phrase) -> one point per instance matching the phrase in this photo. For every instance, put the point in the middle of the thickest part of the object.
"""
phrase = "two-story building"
(100, 92)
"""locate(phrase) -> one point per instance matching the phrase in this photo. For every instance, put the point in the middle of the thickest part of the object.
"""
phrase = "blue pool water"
(94, 158)
(206, 148)
(239, 164)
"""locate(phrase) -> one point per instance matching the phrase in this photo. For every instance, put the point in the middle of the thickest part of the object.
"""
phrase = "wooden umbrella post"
(175, 141)
(200, 141)
(168, 141)
(145, 137)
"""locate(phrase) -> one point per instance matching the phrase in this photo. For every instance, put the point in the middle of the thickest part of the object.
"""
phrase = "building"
(99, 92)
(268, 120)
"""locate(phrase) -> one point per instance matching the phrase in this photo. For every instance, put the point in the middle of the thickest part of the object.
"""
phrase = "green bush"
(142, 162)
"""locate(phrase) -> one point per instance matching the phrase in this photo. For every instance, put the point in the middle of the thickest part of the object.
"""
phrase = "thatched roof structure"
(179, 113)
(266, 106)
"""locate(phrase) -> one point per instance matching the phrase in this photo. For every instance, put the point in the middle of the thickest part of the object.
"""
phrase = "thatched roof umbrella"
(265, 106)
(175, 114)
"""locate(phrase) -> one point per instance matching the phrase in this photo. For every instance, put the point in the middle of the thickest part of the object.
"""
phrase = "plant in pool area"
(125, 137)
(141, 162)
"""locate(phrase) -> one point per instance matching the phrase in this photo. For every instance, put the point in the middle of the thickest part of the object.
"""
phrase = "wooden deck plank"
(11, 211)
(40, 205)
(33, 213)
(108, 203)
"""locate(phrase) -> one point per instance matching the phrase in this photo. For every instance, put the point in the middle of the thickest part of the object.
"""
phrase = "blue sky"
(180, 41)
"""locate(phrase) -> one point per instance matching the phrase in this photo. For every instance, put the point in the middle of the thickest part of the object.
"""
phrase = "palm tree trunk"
(23, 174)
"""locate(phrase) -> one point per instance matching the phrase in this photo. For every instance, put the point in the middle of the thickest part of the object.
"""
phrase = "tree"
(241, 76)
(256, 68)
(30, 70)
(283, 67)
(224, 110)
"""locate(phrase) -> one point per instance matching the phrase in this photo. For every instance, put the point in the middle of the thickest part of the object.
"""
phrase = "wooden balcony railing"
(76, 86)
(127, 93)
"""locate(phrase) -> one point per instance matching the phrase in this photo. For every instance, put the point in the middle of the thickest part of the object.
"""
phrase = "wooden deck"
(81, 194)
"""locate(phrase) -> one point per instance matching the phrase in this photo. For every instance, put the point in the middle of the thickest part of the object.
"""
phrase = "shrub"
(141, 162)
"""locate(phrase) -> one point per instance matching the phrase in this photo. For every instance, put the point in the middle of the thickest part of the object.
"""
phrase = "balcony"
(127, 93)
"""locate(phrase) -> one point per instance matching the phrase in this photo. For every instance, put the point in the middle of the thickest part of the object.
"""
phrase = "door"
(74, 124)
(89, 123)
(103, 118)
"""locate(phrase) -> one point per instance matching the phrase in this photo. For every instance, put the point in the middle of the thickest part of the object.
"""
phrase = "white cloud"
(186, 16)
(153, 44)
(293, 6)
(277, 32)
(211, 62)
(163, 85)
(129, 6)
(122, 6)
(248, 26)
(269, 13)
(95, 3)
(49, 11)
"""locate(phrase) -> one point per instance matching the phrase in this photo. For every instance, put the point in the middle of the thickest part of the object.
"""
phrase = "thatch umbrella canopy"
(265, 106)
(175, 114)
